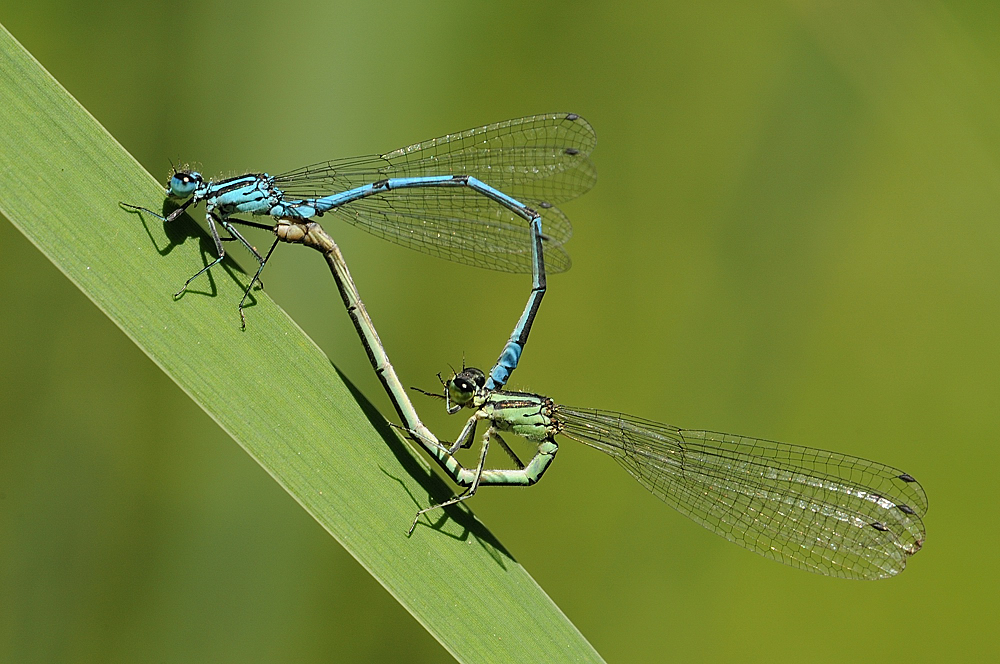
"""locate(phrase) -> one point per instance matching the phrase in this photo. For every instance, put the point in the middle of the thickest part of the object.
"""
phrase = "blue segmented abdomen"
(294, 210)
(505, 365)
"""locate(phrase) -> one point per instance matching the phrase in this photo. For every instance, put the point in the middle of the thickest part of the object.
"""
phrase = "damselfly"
(485, 197)
(821, 511)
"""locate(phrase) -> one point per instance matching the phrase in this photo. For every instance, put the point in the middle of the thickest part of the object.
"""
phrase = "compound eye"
(473, 377)
(460, 390)
(479, 378)
(183, 184)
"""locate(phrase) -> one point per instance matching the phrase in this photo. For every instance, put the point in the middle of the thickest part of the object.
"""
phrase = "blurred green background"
(793, 236)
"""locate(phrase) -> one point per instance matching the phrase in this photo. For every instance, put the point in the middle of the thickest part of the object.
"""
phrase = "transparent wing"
(821, 511)
(540, 160)
(492, 237)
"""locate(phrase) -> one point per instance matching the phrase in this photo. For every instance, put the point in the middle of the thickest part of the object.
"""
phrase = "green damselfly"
(822, 511)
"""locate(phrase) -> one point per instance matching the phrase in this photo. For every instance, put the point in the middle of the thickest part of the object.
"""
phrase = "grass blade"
(270, 388)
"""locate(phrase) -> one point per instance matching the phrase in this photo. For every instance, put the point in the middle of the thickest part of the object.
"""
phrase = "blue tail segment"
(511, 353)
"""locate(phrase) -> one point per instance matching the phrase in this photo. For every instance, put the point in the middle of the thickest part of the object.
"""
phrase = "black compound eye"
(474, 376)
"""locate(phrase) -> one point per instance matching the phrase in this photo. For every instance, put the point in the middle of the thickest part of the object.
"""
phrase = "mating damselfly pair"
(488, 197)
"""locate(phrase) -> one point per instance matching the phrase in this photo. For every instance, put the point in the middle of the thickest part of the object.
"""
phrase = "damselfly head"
(462, 387)
(183, 183)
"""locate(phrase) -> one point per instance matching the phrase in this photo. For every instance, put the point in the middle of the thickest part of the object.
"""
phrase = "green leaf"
(270, 388)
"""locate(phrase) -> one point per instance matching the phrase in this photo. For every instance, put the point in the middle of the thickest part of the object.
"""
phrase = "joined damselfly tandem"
(485, 196)
(821, 511)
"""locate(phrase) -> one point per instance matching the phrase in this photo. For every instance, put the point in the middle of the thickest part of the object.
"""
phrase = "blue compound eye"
(183, 184)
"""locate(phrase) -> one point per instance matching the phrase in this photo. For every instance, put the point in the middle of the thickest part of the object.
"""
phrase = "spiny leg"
(256, 277)
(170, 217)
(420, 438)
(219, 250)
(467, 435)
(227, 223)
(468, 493)
(506, 448)
(216, 239)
